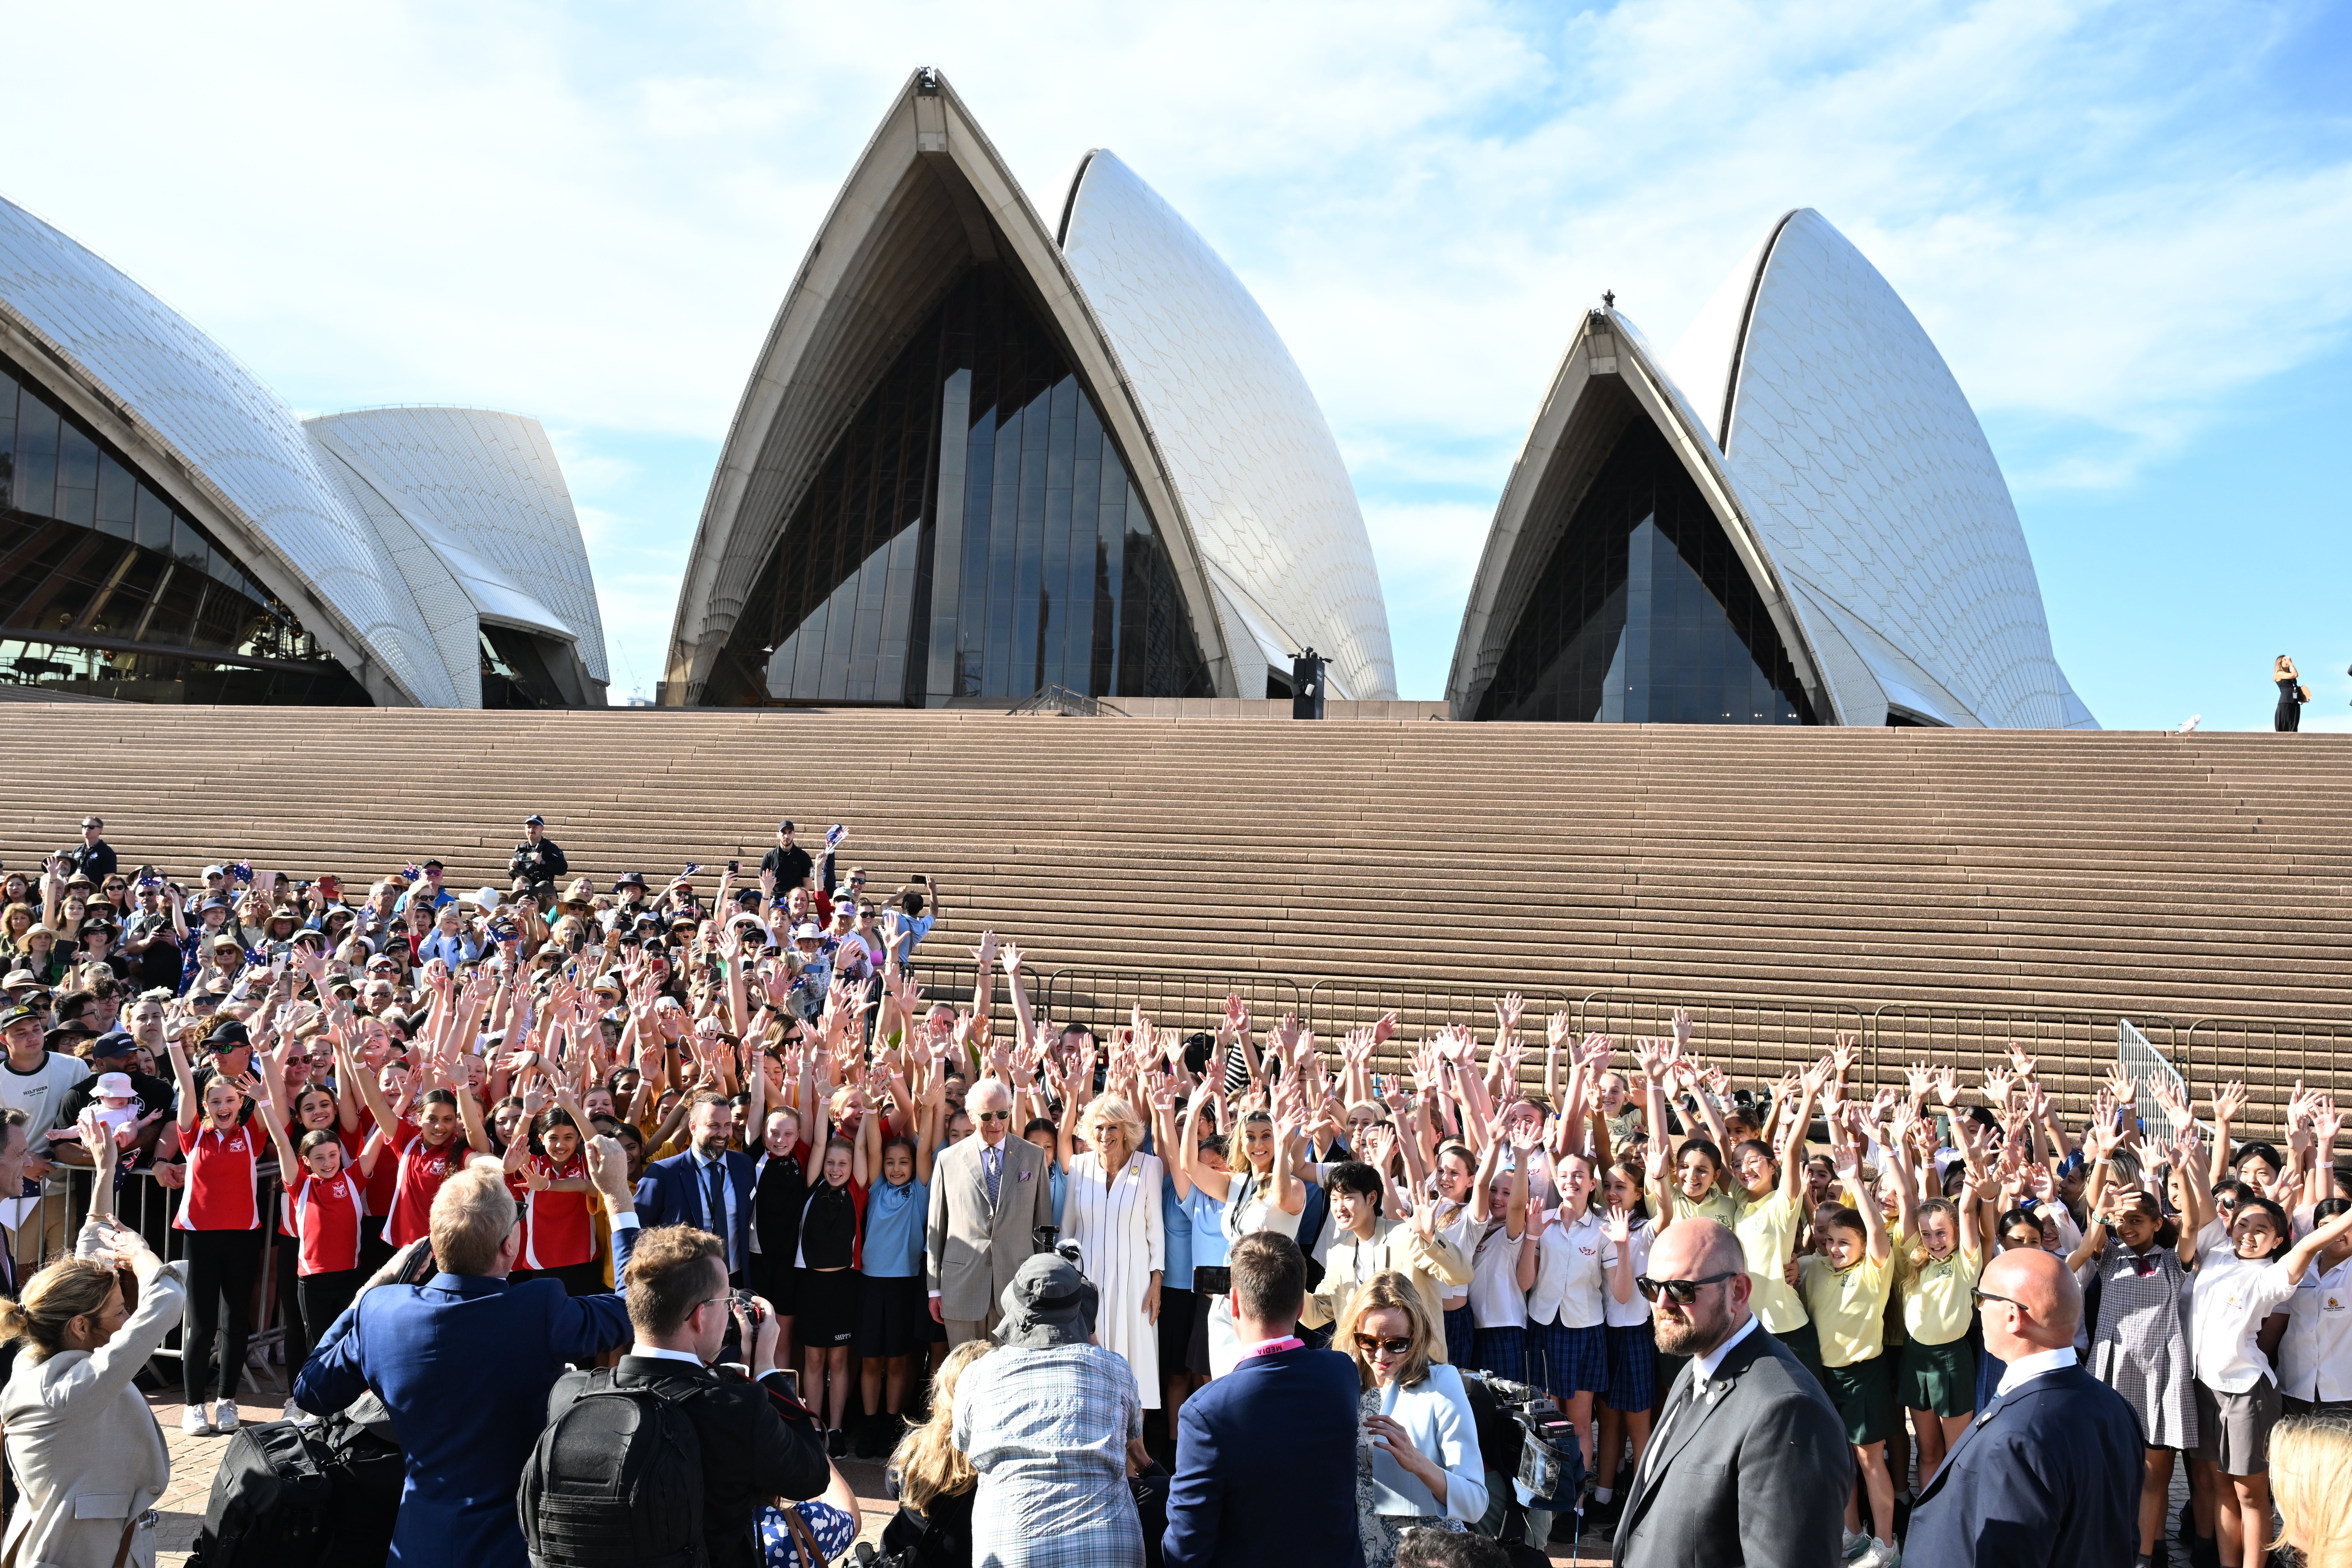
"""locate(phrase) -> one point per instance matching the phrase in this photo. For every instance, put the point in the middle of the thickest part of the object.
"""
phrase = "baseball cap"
(12, 1016)
(227, 1034)
(786, 826)
(215, 871)
(534, 820)
(113, 1043)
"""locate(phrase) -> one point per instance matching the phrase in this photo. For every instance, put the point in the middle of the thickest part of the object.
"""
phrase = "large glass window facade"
(975, 536)
(1643, 614)
(108, 590)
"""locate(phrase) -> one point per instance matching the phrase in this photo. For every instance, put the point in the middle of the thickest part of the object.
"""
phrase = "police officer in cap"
(538, 860)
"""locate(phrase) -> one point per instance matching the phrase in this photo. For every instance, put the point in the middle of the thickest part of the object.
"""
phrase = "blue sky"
(2127, 227)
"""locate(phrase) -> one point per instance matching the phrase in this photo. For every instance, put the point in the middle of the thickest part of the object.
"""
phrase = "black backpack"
(290, 1496)
(615, 1481)
(272, 1503)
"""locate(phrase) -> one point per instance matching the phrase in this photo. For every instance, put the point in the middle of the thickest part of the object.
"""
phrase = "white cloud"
(2096, 209)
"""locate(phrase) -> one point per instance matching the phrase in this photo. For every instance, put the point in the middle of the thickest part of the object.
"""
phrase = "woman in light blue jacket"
(1418, 1462)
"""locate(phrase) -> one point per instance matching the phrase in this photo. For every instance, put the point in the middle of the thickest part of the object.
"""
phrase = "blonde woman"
(82, 1440)
(1419, 1464)
(2289, 716)
(2311, 1467)
(934, 1481)
(1111, 1209)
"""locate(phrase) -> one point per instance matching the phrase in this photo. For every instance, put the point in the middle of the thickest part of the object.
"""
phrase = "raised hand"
(2229, 1103)
(2000, 1082)
(1915, 1077)
(1619, 1227)
(1947, 1085)
(1506, 1013)
(2021, 1063)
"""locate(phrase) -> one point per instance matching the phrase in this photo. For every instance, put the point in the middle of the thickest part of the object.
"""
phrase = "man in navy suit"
(2050, 1471)
(464, 1362)
(1266, 1456)
(708, 1186)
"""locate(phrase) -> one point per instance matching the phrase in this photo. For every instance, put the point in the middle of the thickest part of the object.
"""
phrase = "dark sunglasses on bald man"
(1681, 1292)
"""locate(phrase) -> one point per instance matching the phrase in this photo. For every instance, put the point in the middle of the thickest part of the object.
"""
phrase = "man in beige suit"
(989, 1195)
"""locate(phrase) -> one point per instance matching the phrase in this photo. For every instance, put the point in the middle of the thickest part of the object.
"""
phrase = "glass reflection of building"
(108, 590)
(1643, 613)
(972, 535)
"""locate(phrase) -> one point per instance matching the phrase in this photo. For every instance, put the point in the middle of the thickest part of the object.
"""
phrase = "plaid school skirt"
(1633, 1368)
(1461, 1333)
(1568, 1361)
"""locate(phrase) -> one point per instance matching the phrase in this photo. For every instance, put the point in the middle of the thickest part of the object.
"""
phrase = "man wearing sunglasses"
(1747, 1463)
(2050, 1471)
(990, 1199)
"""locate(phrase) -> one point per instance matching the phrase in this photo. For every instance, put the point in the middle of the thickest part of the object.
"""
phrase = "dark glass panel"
(118, 495)
(1643, 613)
(171, 619)
(515, 673)
(7, 438)
(145, 675)
(77, 476)
(847, 606)
(151, 524)
(36, 485)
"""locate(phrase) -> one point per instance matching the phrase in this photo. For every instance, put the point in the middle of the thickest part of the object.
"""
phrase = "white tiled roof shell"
(485, 489)
(193, 398)
(1865, 473)
(1270, 504)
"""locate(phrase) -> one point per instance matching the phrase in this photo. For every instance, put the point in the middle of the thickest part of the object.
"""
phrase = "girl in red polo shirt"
(429, 1147)
(220, 1219)
(324, 1204)
(559, 1225)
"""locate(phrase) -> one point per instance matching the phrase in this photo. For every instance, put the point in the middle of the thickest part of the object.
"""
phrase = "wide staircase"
(1934, 889)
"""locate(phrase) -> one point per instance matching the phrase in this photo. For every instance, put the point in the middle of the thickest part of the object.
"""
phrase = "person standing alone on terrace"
(2289, 716)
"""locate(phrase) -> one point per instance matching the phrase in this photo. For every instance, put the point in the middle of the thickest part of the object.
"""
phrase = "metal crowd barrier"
(1755, 1039)
(1335, 1007)
(1193, 1001)
(2270, 1057)
(47, 1226)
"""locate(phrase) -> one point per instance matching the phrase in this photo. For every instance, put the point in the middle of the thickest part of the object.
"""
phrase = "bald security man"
(2049, 1472)
(1747, 1465)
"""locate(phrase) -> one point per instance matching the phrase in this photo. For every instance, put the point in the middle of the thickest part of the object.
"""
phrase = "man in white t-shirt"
(36, 1080)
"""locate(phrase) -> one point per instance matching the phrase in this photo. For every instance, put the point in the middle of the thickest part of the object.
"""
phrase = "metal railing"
(2270, 1057)
(1188, 1000)
(52, 1220)
(2074, 1051)
(1061, 700)
(1335, 1007)
(1750, 1037)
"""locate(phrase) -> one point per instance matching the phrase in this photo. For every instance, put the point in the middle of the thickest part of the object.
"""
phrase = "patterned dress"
(1047, 1430)
(1381, 1533)
(1117, 1230)
(2141, 1347)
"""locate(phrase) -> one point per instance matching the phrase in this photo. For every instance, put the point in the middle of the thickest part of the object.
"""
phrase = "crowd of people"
(566, 1161)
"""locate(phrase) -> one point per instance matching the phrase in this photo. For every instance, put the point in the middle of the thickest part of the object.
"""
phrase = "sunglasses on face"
(1981, 1297)
(991, 1116)
(1371, 1344)
(1681, 1292)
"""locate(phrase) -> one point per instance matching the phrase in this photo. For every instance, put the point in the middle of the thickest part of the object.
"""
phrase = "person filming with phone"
(754, 1439)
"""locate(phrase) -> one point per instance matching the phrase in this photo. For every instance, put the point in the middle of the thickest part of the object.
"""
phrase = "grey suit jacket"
(1755, 1470)
(85, 1447)
(972, 1251)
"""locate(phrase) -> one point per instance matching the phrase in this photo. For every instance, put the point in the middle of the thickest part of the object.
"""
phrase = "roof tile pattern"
(1861, 465)
(193, 399)
(1268, 499)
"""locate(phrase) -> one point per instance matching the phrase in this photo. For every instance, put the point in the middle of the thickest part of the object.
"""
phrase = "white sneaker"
(193, 1422)
(226, 1420)
(1853, 1543)
(1881, 1554)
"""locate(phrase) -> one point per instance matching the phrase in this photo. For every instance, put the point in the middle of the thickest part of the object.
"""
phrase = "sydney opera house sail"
(980, 456)
(1793, 518)
(170, 531)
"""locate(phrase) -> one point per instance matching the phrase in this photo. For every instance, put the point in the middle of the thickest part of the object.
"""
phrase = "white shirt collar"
(2026, 1368)
(657, 1354)
(1703, 1367)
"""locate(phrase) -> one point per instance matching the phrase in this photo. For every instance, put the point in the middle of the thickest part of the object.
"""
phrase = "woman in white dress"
(1112, 1211)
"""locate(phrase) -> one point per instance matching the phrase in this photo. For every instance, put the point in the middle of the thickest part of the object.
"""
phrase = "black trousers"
(324, 1297)
(222, 1265)
(285, 1258)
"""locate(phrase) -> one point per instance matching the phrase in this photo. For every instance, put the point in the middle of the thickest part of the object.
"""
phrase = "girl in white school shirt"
(2244, 1276)
(1563, 1270)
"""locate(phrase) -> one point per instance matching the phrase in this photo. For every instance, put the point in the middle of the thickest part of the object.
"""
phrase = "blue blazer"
(671, 1193)
(464, 1364)
(2048, 1476)
(1266, 1466)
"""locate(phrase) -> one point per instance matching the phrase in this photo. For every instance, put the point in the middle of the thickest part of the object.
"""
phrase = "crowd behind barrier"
(1093, 1255)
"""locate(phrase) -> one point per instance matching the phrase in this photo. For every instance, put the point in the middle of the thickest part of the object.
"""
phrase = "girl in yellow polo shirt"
(1771, 1211)
(1935, 1377)
(1846, 1286)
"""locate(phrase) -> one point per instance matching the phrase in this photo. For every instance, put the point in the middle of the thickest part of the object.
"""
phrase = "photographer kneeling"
(752, 1439)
